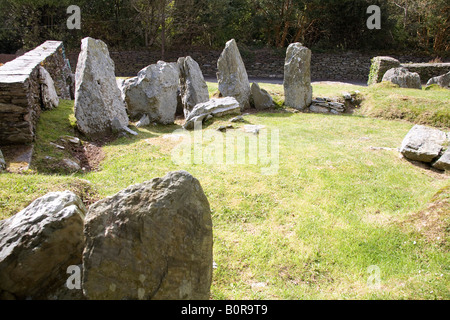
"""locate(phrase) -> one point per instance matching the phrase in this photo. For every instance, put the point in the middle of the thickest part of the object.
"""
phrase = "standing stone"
(379, 67)
(232, 75)
(261, 98)
(423, 144)
(403, 78)
(50, 99)
(297, 77)
(2, 162)
(193, 88)
(97, 98)
(150, 241)
(442, 81)
(153, 92)
(38, 244)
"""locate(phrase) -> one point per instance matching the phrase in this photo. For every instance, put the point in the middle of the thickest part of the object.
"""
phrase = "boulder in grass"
(423, 144)
(403, 78)
(443, 163)
(150, 241)
(261, 98)
(38, 244)
(153, 93)
(442, 81)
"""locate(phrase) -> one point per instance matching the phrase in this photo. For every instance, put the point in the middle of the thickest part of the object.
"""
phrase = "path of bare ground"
(90, 153)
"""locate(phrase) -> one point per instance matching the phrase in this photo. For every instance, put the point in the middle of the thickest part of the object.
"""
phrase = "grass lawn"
(338, 219)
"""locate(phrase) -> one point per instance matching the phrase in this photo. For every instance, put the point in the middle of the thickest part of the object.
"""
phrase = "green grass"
(427, 107)
(312, 230)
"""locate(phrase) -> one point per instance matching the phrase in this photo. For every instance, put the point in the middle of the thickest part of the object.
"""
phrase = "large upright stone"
(297, 77)
(402, 77)
(379, 67)
(38, 244)
(153, 240)
(232, 75)
(98, 100)
(193, 87)
(153, 92)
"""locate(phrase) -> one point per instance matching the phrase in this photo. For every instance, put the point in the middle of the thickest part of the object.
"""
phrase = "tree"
(153, 15)
(423, 24)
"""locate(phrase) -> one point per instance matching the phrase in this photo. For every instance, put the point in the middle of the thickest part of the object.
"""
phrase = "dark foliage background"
(412, 26)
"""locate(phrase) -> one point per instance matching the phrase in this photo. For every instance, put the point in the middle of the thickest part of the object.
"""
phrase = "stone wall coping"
(19, 69)
(425, 65)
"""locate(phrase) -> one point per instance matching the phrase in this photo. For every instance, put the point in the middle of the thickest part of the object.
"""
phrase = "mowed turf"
(339, 215)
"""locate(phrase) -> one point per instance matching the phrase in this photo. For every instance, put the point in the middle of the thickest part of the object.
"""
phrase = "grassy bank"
(338, 219)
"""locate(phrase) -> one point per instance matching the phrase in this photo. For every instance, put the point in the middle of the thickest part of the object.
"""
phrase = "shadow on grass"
(147, 132)
(425, 166)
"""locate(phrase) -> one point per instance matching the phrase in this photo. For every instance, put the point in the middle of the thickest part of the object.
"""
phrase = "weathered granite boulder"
(38, 244)
(423, 144)
(2, 162)
(379, 67)
(297, 77)
(443, 81)
(97, 97)
(261, 98)
(232, 75)
(153, 92)
(50, 99)
(216, 107)
(443, 163)
(150, 241)
(402, 77)
(193, 88)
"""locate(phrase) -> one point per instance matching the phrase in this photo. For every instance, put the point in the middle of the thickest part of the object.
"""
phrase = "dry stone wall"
(20, 96)
(263, 63)
(427, 71)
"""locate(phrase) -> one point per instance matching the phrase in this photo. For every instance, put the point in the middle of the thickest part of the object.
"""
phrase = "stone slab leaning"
(216, 107)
